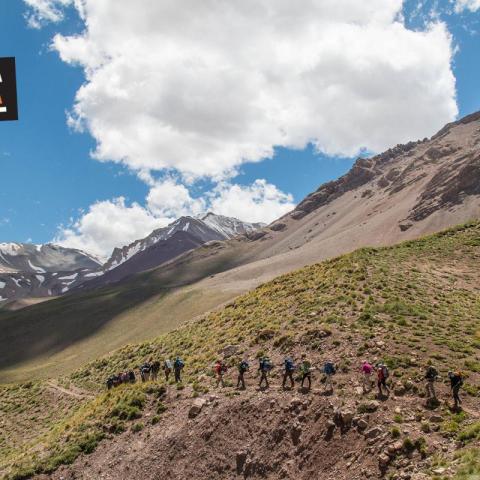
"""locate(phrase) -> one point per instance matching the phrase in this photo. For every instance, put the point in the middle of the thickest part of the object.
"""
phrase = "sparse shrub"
(470, 433)
(398, 418)
(137, 427)
(425, 427)
(395, 432)
(408, 445)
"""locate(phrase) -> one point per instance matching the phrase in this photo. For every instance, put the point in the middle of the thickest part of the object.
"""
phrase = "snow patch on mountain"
(69, 277)
(10, 248)
(36, 269)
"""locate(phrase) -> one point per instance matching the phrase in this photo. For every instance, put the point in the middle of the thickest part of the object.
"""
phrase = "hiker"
(265, 365)
(155, 368)
(167, 368)
(382, 375)
(431, 376)
(367, 370)
(177, 369)
(220, 368)
(109, 382)
(243, 367)
(456, 382)
(329, 370)
(116, 380)
(131, 376)
(145, 371)
(124, 377)
(306, 371)
(289, 368)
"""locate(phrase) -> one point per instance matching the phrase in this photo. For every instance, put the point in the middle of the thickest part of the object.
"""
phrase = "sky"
(134, 113)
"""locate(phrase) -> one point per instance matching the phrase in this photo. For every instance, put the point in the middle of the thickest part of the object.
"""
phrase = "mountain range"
(31, 273)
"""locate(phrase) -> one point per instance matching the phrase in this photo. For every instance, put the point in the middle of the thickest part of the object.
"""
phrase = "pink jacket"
(367, 368)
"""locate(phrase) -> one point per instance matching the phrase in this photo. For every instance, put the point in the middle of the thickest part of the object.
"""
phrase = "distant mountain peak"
(29, 270)
(166, 242)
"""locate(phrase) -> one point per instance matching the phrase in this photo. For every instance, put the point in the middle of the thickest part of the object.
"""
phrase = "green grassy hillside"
(411, 304)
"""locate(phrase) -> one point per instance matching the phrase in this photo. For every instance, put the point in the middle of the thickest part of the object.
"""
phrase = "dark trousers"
(286, 376)
(456, 397)
(307, 376)
(382, 383)
(177, 375)
(167, 374)
(241, 381)
(263, 376)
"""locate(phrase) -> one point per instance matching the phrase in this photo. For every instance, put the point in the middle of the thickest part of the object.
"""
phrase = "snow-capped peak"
(229, 226)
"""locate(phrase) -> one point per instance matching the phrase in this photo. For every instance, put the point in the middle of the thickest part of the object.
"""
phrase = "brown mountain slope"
(410, 190)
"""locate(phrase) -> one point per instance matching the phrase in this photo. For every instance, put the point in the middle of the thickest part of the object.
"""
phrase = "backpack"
(385, 371)
(266, 365)
(329, 368)
(431, 373)
(289, 365)
(243, 367)
(167, 365)
(456, 380)
(305, 367)
(179, 363)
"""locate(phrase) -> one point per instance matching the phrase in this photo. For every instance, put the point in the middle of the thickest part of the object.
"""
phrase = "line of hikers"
(149, 371)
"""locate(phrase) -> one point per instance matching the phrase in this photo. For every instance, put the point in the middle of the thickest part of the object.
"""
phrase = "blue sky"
(49, 178)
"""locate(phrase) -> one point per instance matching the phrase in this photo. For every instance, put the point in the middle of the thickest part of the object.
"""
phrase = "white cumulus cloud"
(203, 86)
(472, 5)
(108, 224)
(171, 199)
(45, 11)
(113, 223)
(259, 202)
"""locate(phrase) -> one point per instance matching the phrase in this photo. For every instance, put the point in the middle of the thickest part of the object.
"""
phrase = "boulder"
(240, 458)
(330, 425)
(399, 390)
(394, 448)
(347, 417)
(295, 433)
(436, 418)
(373, 432)
(229, 350)
(383, 460)
(362, 424)
(196, 407)
(255, 234)
(372, 405)
(278, 227)
(295, 404)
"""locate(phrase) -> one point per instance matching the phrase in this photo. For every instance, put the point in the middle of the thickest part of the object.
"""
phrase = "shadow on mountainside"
(48, 328)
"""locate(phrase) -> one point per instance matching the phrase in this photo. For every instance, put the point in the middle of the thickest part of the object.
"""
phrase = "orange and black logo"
(8, 89)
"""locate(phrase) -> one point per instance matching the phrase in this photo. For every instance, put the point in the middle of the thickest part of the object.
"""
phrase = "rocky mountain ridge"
(28, 270)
